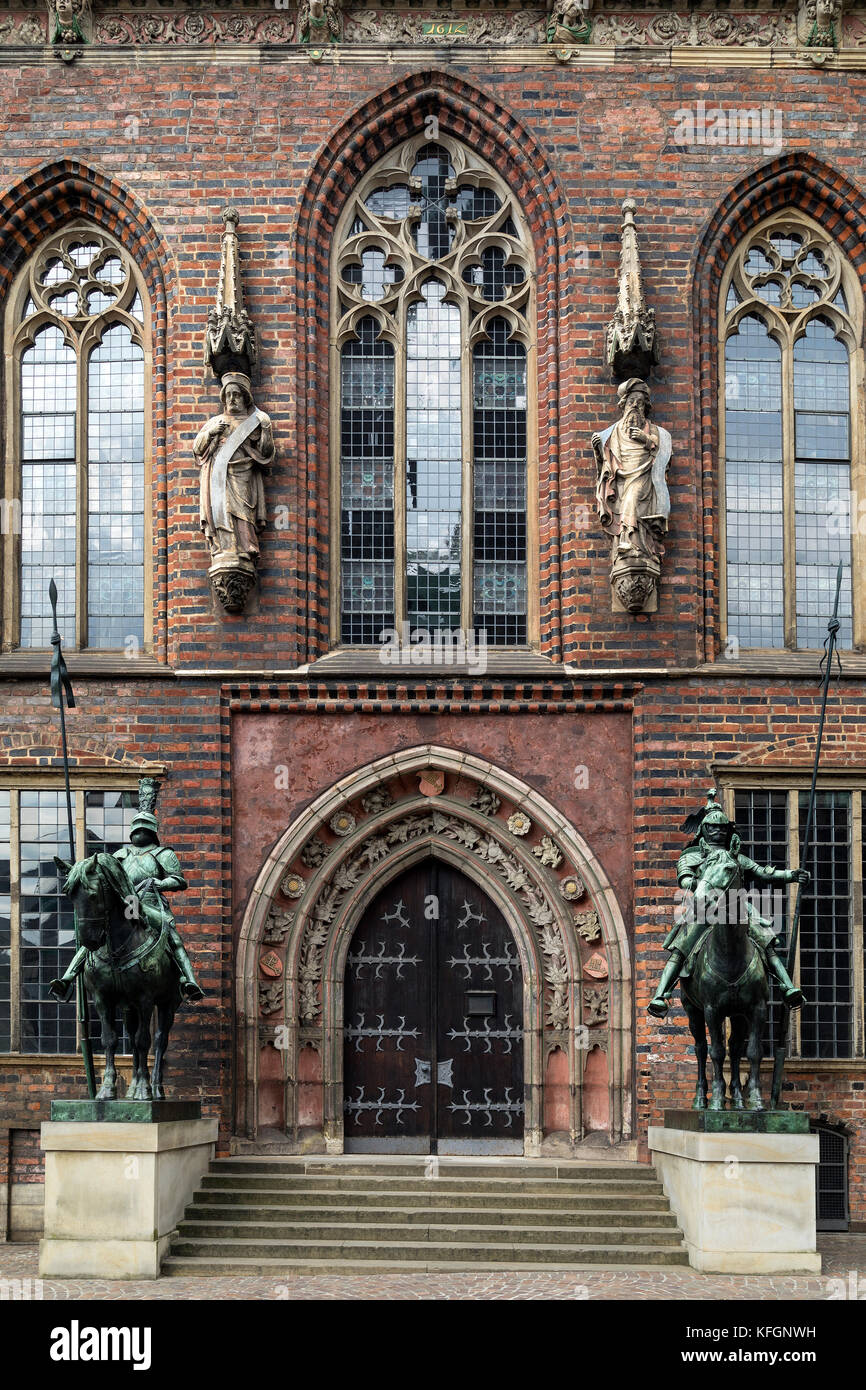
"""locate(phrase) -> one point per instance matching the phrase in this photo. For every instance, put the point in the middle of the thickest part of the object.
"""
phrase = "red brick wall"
(285, 143)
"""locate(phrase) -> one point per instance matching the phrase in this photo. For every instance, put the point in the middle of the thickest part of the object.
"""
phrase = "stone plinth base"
(115, 1191)
(744, 1202)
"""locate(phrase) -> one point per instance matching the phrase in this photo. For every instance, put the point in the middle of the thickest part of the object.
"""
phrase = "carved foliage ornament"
(406, 830)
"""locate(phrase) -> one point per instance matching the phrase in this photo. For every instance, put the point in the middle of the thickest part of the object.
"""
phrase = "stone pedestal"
(114, 1191)
(745, 1202)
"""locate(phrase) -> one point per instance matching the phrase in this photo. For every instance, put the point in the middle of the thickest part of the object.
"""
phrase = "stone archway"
(326, 868)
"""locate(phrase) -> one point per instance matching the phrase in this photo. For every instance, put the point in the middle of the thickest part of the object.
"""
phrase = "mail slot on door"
(481, 1003)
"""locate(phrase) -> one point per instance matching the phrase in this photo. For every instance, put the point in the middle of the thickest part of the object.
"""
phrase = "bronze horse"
(127, 966)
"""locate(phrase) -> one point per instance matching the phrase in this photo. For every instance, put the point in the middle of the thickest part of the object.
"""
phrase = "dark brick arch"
(41, 204)
(470, 115)
(796, 181)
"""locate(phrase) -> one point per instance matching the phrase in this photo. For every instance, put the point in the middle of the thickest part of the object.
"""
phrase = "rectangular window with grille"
(829, 960)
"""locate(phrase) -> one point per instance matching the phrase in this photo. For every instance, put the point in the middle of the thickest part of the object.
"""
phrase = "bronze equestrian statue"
(722, 953)
(129, 950)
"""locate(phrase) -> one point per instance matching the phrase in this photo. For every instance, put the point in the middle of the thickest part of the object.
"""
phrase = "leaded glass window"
(37, 929)
(792, 324)
(78, 452)
(433, 306)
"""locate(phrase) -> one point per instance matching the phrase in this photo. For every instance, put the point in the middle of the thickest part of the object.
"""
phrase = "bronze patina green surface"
(125, 1111)
(739, 1121)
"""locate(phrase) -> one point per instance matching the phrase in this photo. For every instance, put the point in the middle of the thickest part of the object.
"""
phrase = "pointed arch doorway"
(433, 1010)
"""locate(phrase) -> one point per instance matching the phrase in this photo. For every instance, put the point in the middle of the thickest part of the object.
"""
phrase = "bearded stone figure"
(632, 458)
(235, 450)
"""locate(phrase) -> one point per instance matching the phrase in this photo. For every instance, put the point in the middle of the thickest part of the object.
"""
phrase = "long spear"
(827, 671)
(61, 688)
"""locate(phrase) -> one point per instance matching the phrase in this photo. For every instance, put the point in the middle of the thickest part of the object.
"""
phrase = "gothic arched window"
(433, 423)
(77, 384)
(792, 321)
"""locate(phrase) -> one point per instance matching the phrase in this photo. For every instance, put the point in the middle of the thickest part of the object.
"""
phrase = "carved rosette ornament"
(235, 449)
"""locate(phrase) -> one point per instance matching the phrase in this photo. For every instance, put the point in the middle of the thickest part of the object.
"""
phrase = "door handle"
(423, 1073)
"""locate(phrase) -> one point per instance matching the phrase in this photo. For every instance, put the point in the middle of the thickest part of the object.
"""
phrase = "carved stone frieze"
(193, 27)
(818, 23)
(521, 28)
(320, 22)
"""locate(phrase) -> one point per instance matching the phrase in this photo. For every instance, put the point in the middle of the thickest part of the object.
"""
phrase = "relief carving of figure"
(235, 451)
(817, 23)
(632, 458)
(70, 21)
(569, 22)
(319, 22)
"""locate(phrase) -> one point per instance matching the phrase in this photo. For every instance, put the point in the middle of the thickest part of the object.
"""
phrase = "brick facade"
(153, 151)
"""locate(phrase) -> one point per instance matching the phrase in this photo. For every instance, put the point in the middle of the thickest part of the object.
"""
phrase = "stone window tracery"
(77, 368)
(433, 352)
(790, 363)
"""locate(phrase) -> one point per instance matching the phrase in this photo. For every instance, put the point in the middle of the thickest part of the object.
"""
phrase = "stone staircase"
(351, 1215)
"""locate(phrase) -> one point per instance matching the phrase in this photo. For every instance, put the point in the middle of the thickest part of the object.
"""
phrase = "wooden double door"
(433, 1021)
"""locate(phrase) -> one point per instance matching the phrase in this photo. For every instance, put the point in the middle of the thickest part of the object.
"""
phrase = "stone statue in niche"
(818, 23)
(320, 22)
(235, 451)
(569, 22)
(632, 458)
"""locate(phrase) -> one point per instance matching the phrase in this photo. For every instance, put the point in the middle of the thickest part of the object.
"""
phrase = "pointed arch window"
(77, 443)
(433, 445)
(791, 436)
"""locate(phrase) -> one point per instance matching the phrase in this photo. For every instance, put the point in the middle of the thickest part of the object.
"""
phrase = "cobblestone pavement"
(844, 1276)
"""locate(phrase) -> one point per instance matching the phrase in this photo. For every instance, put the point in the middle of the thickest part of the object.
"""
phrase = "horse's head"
(95, 885)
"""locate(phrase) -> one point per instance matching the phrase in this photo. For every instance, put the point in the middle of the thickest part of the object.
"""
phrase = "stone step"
(200, 1212)
(448, 1166)
(436, 1232)
(587, 1257)
(625, 1201)
(366, 1182)
(395, 1253)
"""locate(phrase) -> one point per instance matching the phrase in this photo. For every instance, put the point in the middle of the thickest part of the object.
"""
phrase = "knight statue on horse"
(152, 870)
(723, 953)
(130, 955)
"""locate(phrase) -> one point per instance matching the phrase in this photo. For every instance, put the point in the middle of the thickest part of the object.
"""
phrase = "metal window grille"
(831, 1194)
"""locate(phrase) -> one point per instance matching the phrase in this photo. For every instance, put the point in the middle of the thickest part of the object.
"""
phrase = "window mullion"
(789, 547)
(794, 860)
(858, 1043)
(400, 467)
(467, 546)
(14, 922)
(81, 504)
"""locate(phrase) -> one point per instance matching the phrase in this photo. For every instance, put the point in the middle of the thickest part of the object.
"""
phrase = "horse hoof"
(755, 1103)
(699, 1103)
(107, 1093)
